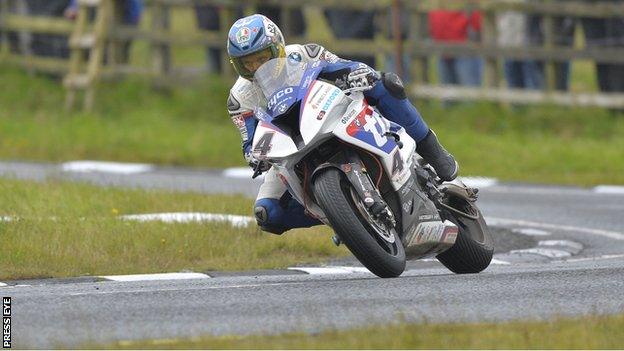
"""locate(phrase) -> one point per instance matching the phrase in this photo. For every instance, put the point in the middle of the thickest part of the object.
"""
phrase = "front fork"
(350, 164)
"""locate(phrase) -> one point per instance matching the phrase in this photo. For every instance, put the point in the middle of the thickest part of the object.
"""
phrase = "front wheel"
(378, 248)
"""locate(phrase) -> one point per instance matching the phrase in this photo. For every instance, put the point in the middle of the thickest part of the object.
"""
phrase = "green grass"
(594, 332)
(190, 126)
(72, 229)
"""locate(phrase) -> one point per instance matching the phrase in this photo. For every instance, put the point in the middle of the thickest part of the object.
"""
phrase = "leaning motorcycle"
(359, 173)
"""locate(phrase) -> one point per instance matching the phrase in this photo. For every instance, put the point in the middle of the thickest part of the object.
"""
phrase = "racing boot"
(434, 154)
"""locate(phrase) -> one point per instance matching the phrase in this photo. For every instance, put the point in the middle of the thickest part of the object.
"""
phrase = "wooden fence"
(162, 37)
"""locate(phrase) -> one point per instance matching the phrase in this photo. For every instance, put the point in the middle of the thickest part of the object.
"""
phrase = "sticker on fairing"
(366, 128)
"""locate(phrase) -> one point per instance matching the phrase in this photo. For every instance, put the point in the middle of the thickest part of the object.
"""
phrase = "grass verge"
(190, 126)
(73, 229)
(594, 332)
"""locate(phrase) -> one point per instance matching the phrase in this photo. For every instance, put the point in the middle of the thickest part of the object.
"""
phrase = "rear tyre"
(474, 247)
(356, 228)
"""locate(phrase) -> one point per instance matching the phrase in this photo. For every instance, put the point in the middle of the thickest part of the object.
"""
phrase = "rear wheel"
(376, 246)
(474, 248)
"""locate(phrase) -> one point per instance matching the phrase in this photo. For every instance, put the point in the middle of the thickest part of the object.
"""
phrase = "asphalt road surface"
(565, 256)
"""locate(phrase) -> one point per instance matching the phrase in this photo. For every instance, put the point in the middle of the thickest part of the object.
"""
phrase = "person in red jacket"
(457, 27)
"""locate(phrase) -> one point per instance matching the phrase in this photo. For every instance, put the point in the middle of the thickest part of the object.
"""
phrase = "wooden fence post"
(549, 40)
(227, 19)
(161, 52)
(115, 46)
(419, 63)
(491, 78)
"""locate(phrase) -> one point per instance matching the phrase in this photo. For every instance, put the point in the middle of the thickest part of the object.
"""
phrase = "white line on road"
(157, 276)
(479, 182)
(603, 257)
(531, 232)
(599, 232)
(3, 284)
(186, 217)
(107, 167)
(239, 172)
(331, 270)
(609, 189)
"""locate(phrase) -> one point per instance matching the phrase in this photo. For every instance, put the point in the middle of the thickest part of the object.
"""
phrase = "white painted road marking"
(565, 243)
(479, 182)
(186, 217)
(157, 276)
(107, 167)
(3, 284)
(609, 189)
(240, 172)
(531, 232)
(603, 257)
(331, 270)
(599, 232)
(550, 253)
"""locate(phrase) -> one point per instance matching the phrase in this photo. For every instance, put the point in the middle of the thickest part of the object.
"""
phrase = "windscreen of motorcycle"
(283, 82)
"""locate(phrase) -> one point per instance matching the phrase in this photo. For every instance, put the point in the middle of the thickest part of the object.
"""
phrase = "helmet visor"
(247, 65)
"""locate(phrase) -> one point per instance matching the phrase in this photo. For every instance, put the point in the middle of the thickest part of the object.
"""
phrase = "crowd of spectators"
(514, 30)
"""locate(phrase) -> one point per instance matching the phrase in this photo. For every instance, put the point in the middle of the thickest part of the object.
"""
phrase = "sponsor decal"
(322, 97)
(239, 121)
(347, 168)
(331, 99)
(295, 56)
(366, 128)
(277, 97)
(270, 29)
(282, 108)
(243, 35)
(320, 115)
(428, 232)
(348, 116)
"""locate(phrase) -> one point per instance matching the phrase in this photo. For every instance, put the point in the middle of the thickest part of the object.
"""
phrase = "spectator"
(563, 36)
(209, 18)
(353, 24)
(512, 33)
(297, 25)
(49, 45)
(600, 32)
(132, 10)
(457, 27)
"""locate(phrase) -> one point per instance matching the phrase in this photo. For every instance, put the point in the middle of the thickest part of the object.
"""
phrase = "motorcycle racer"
(254, 40)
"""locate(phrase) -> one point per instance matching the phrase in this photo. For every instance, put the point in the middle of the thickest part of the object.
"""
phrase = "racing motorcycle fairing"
(307, 115)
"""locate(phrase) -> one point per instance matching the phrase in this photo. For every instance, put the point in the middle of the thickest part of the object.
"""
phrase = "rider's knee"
(393, 84)
(269, 216)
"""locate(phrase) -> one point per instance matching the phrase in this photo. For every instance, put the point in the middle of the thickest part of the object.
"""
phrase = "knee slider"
(267, 215)
(394, 85)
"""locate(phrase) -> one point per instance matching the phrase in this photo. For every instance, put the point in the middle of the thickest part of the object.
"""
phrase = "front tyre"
(378, 249)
